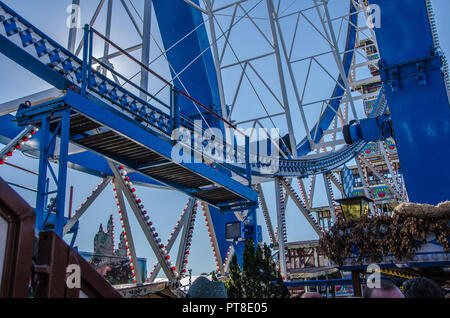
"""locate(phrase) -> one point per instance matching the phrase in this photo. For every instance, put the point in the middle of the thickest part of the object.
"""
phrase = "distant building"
(113, 263)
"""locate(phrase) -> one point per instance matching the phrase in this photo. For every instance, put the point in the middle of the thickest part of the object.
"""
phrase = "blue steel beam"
(177, 20)
(130, 128)
(417, 97)
(47, 147)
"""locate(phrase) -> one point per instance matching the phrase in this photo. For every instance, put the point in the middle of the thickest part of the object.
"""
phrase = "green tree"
(271, 277)
(258, 278)
(234, 285)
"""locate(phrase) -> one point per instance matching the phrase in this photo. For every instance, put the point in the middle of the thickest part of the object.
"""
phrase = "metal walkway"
(113, 135)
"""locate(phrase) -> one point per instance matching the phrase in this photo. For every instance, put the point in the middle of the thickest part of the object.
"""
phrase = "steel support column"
(129, 236)
(272, 18)
(187, 231)
(145, 57)
(280, 221)
(364, 183)
(47, 148)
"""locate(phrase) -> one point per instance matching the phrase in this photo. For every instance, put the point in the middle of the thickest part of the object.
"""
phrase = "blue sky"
(165, 206)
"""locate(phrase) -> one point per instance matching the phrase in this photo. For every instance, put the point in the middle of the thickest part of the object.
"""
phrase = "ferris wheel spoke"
(73, 30)
(228, 33)
(363, 176)
(213, 238)
(239, 62)
(294, 83)
(273, 28)
(335, 48)
(216, 57)
(380, 176)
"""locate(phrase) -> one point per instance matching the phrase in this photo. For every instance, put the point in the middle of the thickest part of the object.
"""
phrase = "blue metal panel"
(419, 110)
(47, 146)
(62, 172)
(176, 19)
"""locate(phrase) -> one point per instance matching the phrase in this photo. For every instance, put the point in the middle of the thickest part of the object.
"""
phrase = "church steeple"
(104, 241)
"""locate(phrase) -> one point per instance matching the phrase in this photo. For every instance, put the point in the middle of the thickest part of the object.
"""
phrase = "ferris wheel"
(307, 70)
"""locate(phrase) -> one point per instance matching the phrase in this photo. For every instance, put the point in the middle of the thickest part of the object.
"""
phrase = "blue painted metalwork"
(410, 70)
(200, 79)
(417, 97)
(47, 148)
(76, 72)
(369, 130)
(118, 122)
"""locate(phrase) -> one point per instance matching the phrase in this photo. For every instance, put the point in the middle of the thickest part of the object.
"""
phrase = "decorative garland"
(373, 238)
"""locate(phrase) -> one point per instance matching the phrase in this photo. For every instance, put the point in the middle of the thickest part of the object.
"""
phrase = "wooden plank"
(18, 219)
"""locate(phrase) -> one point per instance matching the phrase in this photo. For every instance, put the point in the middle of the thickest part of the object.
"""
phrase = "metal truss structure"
(314, 69)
